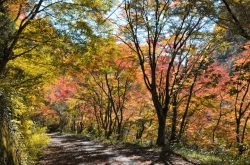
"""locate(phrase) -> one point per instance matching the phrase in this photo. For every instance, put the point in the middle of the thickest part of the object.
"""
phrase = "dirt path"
(68, 150)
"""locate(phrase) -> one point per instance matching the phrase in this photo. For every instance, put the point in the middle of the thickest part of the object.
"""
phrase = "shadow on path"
(69, 150)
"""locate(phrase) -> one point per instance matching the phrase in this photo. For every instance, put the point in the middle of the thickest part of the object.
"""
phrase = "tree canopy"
(164, 72)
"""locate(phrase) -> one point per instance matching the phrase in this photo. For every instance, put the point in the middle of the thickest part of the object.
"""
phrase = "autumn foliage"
(109, 98)
(170, 73)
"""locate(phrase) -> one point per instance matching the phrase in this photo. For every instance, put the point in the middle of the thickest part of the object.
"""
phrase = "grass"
(211, 158)
(199, 157)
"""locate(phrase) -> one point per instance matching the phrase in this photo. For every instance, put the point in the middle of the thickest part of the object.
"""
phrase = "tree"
(209, 126)
(20, 88)
(170, 30)
(11, 28)
(26, 28)
(240, 86)
(106, 78)
(61, 92)
(20, 22)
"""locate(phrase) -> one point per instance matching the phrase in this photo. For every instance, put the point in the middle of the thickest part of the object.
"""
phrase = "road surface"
(70, 150)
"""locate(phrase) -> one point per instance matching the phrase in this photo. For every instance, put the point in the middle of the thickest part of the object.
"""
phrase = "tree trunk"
(237, 131)
(79, 127)
(73, 127)
(174, 121)
(119, 130)
(161, 131)
(3, 64)
(141, 129)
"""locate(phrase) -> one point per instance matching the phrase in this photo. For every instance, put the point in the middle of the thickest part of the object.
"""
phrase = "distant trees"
(106, 80)
(63, 90)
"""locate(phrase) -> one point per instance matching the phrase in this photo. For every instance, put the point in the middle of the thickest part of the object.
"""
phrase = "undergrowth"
(31, 141)
(211, 157)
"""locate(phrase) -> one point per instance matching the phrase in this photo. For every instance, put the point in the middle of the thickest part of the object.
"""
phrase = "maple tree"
(107, 87)
(220, 96)
(172, 75)
(163, 55)
(240, 92)
(61, 92)
(210, 101)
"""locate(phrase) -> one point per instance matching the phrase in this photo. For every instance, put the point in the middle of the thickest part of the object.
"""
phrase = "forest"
(166, 73)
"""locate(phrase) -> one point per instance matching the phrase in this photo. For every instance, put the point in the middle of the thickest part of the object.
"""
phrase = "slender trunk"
(98, 118)
(110, 122)
(141, 129)
(241, 147)
(174, 120)
(73, 127)
(244, 128)
(217, 124)
(237, 131)
(119, 128)
(237, 136)
(185, 115)
(108, 131)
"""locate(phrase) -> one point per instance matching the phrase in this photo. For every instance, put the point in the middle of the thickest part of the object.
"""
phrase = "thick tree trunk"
(3, 64)
(161, 115)
(161, 131)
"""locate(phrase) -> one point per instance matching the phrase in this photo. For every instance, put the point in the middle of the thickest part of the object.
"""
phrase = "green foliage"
(20, 86)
